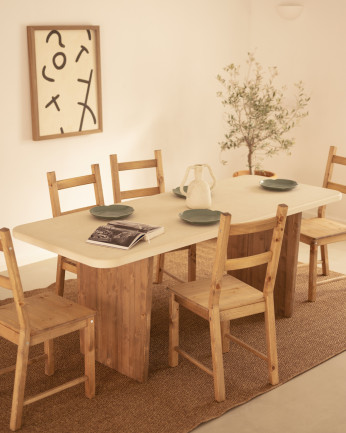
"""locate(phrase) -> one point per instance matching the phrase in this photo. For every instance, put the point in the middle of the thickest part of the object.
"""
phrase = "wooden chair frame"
(65, 264)
(22, 324)
(223, 298)
(321, 231)
(119, 195)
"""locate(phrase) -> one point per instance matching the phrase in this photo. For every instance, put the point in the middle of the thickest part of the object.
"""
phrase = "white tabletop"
(241, 196)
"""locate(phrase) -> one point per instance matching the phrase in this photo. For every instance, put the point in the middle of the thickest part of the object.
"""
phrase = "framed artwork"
(65, 80)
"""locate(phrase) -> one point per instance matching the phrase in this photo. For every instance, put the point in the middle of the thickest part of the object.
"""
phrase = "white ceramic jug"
(198, 194)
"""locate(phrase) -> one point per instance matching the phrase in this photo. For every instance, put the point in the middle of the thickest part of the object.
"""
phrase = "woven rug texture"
(176, 400)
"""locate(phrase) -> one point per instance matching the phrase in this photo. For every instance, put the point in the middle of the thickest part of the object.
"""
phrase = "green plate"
(278, 184)
(112, 212)
(200, 216)
(178, 193)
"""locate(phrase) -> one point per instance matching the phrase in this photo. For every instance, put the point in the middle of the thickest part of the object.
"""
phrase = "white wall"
(159, 61)
(311, 48)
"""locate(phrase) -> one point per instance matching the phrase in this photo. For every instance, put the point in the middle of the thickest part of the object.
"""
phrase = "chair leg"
(191, 275)
(60, 278)
(89, 357)
(173, 356)
(159, 268)
(269, 316)
(216, 351)
(225, 329)
(325, 260)
(49, 363)
(19, 382)
(312, 272)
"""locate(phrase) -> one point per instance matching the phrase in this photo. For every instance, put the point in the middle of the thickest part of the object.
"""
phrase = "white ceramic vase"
(198, 195)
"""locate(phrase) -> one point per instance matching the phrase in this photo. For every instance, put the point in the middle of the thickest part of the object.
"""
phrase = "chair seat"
(321, 229)
(234, 294)
(47, 312)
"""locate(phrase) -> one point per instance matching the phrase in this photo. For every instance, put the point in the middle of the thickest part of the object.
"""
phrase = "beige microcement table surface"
(117, 283)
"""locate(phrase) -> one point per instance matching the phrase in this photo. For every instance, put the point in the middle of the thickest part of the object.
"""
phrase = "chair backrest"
(333, 158)
(116, 167)
(56, 185)
(13, 282)
(270, 257)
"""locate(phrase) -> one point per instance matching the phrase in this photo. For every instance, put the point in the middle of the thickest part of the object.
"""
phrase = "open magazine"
(123, 234)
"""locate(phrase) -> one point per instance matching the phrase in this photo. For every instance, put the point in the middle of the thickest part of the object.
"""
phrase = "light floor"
(314, 402)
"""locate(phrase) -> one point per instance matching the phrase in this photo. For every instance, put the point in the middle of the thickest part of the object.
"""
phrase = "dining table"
(117, 283)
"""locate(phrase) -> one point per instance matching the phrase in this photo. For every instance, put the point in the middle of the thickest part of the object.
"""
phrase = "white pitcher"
(198, 194)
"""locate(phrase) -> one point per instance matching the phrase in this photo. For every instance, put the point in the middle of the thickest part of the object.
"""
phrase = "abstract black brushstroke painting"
(65, 80)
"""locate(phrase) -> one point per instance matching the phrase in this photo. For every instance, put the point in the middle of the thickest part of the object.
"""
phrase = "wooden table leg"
(287, 269)
(122, 298)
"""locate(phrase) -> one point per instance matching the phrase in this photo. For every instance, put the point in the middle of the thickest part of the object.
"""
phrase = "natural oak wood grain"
(321, 231)
(54, 185)
(39, 319)
(223, 297)
(123, 304)
(242, 196)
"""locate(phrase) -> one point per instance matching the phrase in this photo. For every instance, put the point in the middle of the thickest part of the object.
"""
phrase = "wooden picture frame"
(65, 80)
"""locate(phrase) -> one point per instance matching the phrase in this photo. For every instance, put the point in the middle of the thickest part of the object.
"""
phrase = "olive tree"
(257, 114)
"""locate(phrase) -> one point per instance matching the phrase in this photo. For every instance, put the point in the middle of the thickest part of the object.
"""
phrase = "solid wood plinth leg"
(159, 268)
(312, 272)
(285, 283)
(325, 260)
(173, 356)
(287, 269)
(122, 298)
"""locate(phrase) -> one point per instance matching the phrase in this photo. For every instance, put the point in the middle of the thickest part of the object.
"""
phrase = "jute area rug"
(176, 400)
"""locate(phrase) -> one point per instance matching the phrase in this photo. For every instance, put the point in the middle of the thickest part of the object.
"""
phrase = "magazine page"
(123, 234)
(148, 230)
(115, 237)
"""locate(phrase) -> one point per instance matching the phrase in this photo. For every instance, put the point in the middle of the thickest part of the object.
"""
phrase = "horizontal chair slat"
(5, 282)
(337, 186)
(69, 266)
(133, 165)
(79, 210)
(248, 262)
(30, 361)
(55, 390)
(246, 346)
(139, 192)
(76, 181)
(339, 160)
(253, 227)
(194, 360)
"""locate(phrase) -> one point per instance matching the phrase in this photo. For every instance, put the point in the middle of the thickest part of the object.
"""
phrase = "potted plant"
(257, 114)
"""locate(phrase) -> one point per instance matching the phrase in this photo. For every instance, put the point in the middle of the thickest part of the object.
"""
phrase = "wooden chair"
(119, 195)
(321, 231)
(65, 264)
(39, 319)
(223, 298)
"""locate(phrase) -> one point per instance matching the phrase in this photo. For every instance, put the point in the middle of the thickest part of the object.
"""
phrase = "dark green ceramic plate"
(178, 193)
(278, 184)
(200, 216)
(112, 212)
